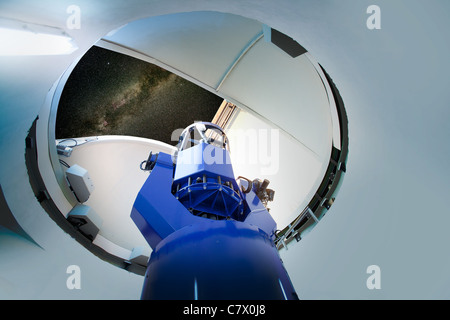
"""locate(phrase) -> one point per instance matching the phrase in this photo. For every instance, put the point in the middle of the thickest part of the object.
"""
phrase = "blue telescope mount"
(211, 234)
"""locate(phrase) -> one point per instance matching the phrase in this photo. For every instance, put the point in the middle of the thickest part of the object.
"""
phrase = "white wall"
(260, 150)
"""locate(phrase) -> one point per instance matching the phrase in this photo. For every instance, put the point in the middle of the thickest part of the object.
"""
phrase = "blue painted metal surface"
(211, 235)
(156, 212)
(204, 182)
(217, 260)
(203, 158)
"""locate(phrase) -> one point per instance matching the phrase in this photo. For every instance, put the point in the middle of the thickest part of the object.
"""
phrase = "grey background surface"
(392, 209)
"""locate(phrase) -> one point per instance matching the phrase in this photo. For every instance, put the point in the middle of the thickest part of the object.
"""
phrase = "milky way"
(112, 94)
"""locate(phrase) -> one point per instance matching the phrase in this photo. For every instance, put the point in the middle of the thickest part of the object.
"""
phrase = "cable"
(72, 139)
(249, 184)
(65, 164)
(86, 141)
(76, 142)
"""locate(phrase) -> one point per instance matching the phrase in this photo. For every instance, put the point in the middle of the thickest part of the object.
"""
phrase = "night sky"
(113, 94)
